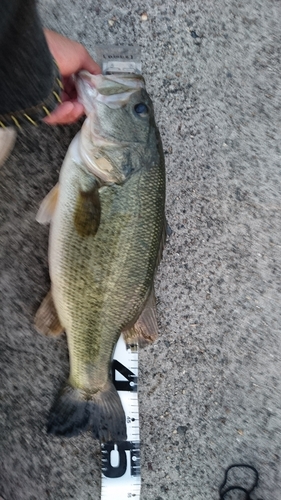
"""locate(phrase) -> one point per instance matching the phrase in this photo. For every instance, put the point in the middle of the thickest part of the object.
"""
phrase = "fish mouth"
(112, 90)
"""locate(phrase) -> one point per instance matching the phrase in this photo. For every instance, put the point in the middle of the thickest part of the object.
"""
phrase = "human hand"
(71, 57)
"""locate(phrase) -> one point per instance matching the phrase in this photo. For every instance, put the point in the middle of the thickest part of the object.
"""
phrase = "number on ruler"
(131, 384)
(111, 471)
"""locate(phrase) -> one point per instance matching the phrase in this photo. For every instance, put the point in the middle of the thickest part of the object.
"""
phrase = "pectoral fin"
(46, 319)
(145, 330)
(87, 212)
(48, 206)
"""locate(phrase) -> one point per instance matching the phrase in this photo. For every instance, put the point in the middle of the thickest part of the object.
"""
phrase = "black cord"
(223, 492)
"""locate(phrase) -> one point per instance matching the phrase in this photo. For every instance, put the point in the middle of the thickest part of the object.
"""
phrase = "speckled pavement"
(210, 386)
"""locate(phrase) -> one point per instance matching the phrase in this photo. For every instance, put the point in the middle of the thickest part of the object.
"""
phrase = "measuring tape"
(121, 461)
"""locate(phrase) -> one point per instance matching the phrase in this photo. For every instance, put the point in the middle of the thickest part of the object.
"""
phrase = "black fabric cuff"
(32, 115)
(30, 83)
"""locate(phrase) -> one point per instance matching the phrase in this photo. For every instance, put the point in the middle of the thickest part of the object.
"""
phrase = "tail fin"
(101, 413)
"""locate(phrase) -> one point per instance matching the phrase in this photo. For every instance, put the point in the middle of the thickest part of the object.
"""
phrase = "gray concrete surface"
(210, 386)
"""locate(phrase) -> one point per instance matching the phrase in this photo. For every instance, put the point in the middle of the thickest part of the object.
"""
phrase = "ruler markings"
(122, 481)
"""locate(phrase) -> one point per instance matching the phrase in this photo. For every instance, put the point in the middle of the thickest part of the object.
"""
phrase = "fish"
(107, 233)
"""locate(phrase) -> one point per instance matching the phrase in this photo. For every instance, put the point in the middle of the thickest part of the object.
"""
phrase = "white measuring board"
(121, 478)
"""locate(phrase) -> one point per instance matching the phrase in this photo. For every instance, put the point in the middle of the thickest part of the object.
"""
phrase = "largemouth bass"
(106, 237)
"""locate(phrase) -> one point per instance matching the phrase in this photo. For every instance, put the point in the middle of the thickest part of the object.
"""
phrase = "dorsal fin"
(145, 329)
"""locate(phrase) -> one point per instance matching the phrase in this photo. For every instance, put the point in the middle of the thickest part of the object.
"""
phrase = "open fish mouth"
(112, 90)
(100, 148)
(93, 146)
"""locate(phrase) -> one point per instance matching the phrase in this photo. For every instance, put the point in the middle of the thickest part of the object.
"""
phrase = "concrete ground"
(210, 386)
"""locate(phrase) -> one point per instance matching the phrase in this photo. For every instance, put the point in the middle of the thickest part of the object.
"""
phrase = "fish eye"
(141, 109)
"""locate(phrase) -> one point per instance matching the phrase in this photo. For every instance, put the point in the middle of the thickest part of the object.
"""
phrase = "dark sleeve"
(29, 78)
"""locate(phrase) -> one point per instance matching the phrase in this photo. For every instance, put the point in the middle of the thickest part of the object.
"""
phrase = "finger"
(71, 56)
(89, 64)
(69, 89)
(66, 113)
(65, 96)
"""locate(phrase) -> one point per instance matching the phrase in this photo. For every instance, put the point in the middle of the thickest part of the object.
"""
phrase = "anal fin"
(46, 319)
